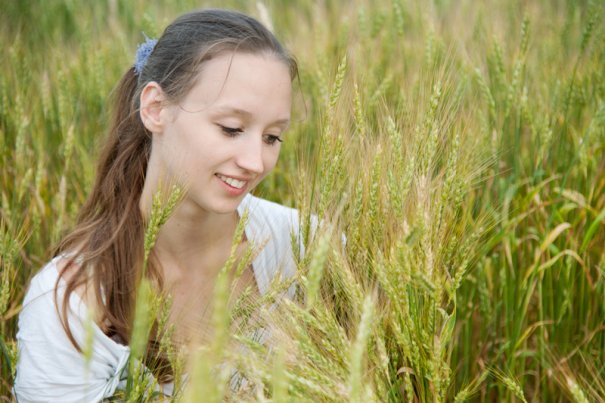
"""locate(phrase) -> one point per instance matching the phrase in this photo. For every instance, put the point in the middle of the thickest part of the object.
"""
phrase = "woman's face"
(224, 137)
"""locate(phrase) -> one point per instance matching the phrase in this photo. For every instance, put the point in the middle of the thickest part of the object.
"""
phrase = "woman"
(205, 107)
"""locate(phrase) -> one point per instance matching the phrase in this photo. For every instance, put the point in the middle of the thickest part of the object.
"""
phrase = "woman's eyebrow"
(282, 122)
(232, 110)
(245, 114)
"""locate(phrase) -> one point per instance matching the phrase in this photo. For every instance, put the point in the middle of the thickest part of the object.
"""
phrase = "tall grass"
(453, 153)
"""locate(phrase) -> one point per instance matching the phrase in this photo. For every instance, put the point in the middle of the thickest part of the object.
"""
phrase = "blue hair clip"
(143, 52)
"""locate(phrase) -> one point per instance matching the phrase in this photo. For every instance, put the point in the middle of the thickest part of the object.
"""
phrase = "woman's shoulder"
(43, 299)
(267, 218)
(269, 210)
(270, 218)
(44, 282)
(50, 278)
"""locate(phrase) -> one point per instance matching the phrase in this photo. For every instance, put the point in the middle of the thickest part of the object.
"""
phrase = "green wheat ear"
(279, 381)
(161, 209)
(510, 383)
(147, 304)
(220, 315)
(316, 267)
(469, 390)
(358, 351)
(576, 391)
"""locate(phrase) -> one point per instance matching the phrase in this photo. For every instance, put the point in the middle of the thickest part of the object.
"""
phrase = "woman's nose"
(250, 156)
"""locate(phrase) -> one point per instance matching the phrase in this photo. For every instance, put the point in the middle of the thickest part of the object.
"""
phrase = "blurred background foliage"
(459, 145)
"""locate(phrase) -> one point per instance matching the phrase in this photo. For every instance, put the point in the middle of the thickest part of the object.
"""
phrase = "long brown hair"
(105, 248)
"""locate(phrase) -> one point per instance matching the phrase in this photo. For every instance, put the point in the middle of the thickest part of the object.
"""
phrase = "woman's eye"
(272, 139)
(231, 131)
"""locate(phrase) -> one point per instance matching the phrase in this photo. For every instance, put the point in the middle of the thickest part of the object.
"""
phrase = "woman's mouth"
(238, 184)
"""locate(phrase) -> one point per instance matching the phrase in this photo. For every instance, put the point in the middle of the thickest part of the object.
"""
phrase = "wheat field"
(457, 146)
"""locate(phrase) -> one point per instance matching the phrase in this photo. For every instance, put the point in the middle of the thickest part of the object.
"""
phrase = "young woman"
(205, 107)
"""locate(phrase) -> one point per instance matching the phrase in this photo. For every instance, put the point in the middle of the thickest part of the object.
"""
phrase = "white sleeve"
(49, 368)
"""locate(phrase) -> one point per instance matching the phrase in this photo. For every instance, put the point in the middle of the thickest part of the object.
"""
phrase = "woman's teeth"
(232, 182)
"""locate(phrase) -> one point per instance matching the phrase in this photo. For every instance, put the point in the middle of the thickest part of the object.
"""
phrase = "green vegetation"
(459, 147)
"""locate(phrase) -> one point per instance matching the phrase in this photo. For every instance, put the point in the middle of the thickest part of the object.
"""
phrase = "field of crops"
(458, 145)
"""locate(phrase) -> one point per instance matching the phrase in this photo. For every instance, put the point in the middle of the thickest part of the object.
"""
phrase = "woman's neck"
(191, 236)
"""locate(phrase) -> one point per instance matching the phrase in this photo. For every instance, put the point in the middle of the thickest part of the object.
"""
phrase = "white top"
(50, 369)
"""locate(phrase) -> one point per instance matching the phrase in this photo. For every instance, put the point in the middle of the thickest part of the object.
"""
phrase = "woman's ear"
(151, 101)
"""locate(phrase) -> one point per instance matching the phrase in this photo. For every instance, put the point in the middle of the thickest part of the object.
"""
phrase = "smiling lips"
(235, 183)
